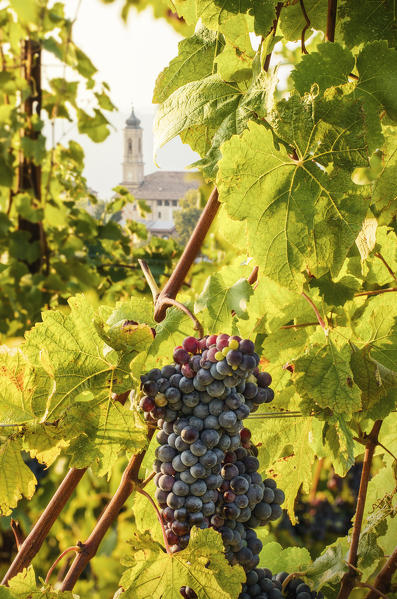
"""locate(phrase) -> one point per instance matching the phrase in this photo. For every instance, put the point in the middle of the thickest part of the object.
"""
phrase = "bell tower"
(133, 158)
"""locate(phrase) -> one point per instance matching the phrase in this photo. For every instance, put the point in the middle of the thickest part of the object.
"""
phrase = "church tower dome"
(133, 166)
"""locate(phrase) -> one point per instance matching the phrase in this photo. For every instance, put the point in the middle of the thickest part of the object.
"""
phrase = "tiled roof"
(165, 185)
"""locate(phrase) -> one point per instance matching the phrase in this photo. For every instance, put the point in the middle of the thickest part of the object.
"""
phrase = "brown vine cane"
(33, 542)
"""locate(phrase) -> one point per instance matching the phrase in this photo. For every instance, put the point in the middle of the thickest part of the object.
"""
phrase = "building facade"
(161, 190)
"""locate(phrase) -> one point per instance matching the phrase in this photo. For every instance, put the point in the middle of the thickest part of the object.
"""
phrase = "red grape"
(172, 538)
(247, 347)
(211, 354)
(147, 404)
(245, 434)
(264, 379)
(180, 528)
(221, 343)
(190, 344)
(187, 371)
(180, 355)
(203, 343)
(211, 340)
(229, 496)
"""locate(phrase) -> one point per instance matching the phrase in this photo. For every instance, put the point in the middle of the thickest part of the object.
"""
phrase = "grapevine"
(222, 426)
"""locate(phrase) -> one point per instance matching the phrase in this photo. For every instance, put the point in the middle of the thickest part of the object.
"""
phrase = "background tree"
(186, 218)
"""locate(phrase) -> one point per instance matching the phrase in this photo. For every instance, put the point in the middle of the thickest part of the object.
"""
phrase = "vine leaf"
(205, 102)
(202, 566)
(143, 512)
(377, 383)
(377, 327)
(76, 358)
(224, 292)
(294, 472)
(277, 559)
(377, 84)
(17, 479)
(386, 244)
(330, 566)
(97, 434)
(323, 378)
(298, 214)
(24, 586)
(292, 20)
(195, 61)
(385, 192)
(368, 20)
(44, 443)
(17, 379)
(96, 126)
(236, 18)
(329, 66)
(338, 444)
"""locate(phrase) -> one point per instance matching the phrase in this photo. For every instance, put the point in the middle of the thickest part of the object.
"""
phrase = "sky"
(129, 58)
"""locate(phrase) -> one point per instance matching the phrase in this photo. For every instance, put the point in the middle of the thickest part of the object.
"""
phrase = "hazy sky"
(128, 57)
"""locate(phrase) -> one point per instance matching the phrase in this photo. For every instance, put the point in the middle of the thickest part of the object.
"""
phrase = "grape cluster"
(206, 473)
(261, 584)
(206, 466)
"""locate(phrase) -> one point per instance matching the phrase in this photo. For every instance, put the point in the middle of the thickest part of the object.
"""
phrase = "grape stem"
(253, 276)
(379, 255)
(147, 480)
(77, 548)
(158, 299)
(306, 27)
(159, 518)
(317, 313)
(299, 326)
(350, 578)
(376, 291)
(18, 533)
(150, 279)
(383, 579)
(289, 578)
(273, 30)
(172, 302)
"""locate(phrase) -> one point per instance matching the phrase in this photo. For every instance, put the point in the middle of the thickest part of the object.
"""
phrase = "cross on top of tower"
(133, 122)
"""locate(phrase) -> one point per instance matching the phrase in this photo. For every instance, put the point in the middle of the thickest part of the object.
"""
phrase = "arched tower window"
(129, 147)
(140, 146)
